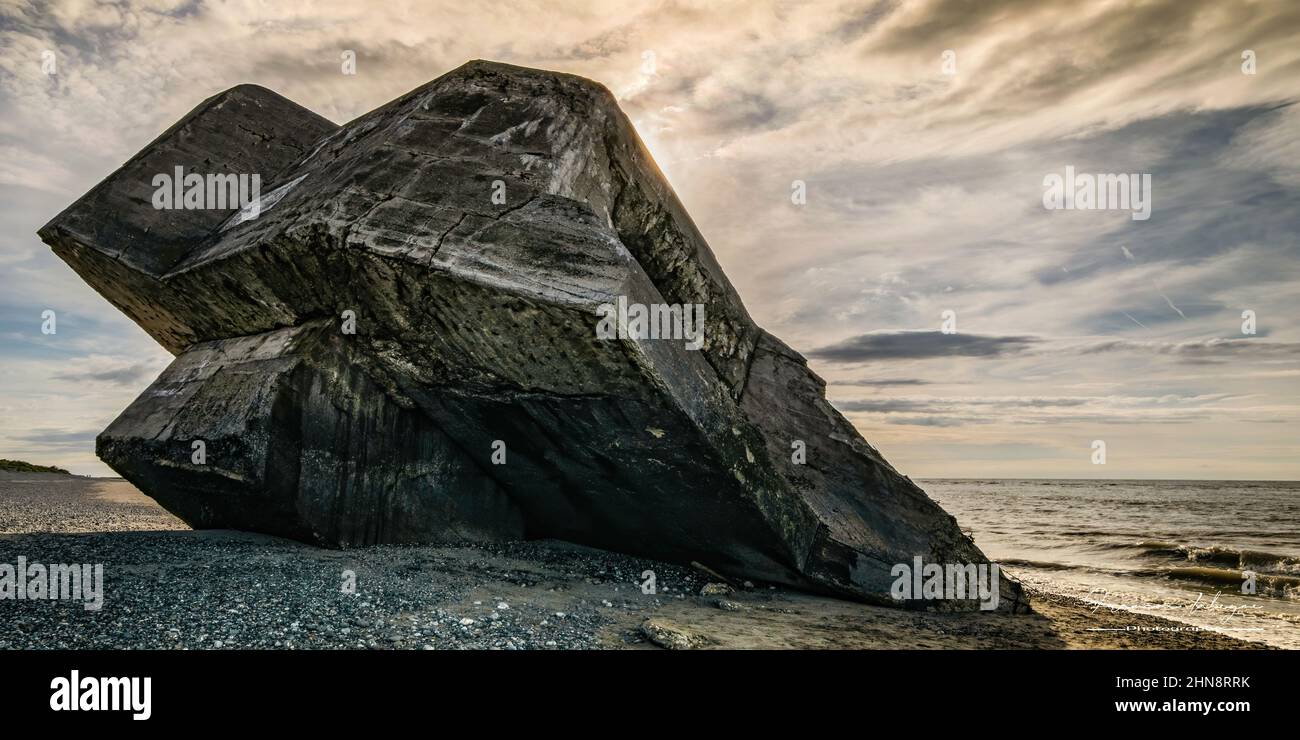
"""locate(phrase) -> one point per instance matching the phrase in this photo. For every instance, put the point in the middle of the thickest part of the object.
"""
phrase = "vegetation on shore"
(19, 466)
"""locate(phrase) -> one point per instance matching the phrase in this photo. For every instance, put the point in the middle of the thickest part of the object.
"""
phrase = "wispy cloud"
(1060, 410)
(1200, 349)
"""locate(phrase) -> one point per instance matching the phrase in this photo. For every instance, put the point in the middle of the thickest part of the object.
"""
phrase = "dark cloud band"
(920, 345)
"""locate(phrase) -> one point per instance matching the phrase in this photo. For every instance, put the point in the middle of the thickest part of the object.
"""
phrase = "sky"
(922, 133)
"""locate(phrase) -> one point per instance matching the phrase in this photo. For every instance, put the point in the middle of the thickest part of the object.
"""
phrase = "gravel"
(169, 587)
(187, 590)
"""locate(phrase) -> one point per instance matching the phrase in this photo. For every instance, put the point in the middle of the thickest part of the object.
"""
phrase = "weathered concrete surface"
(298, 441)
(475, 326)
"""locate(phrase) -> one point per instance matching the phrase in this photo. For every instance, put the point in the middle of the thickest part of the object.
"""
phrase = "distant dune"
(20, 466)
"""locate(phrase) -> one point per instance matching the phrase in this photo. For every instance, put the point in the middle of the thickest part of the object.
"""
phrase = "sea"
(1215, 555)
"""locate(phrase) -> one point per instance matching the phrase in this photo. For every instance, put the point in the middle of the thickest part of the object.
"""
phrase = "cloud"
(1200, 349)
(59, 438)
(919, 345)
(881, 382)
(924, 189)
(114, 373)
(927, 421)
(1059, 410)
(897, 403)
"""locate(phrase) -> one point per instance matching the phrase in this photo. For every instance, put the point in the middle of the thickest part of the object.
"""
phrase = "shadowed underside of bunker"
(474, 333)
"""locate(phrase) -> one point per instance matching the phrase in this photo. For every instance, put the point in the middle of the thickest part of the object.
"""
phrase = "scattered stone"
(716, 589)
(671, 636)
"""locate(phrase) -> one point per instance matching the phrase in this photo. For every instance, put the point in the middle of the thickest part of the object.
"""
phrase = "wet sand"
(169, 587)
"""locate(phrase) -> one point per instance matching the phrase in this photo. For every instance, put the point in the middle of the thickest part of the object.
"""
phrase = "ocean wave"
(1240, 560)
(1091, 568)
(1040, 564)
(1287, 587)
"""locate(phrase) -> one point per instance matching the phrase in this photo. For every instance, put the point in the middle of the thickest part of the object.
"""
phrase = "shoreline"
(168, 587)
